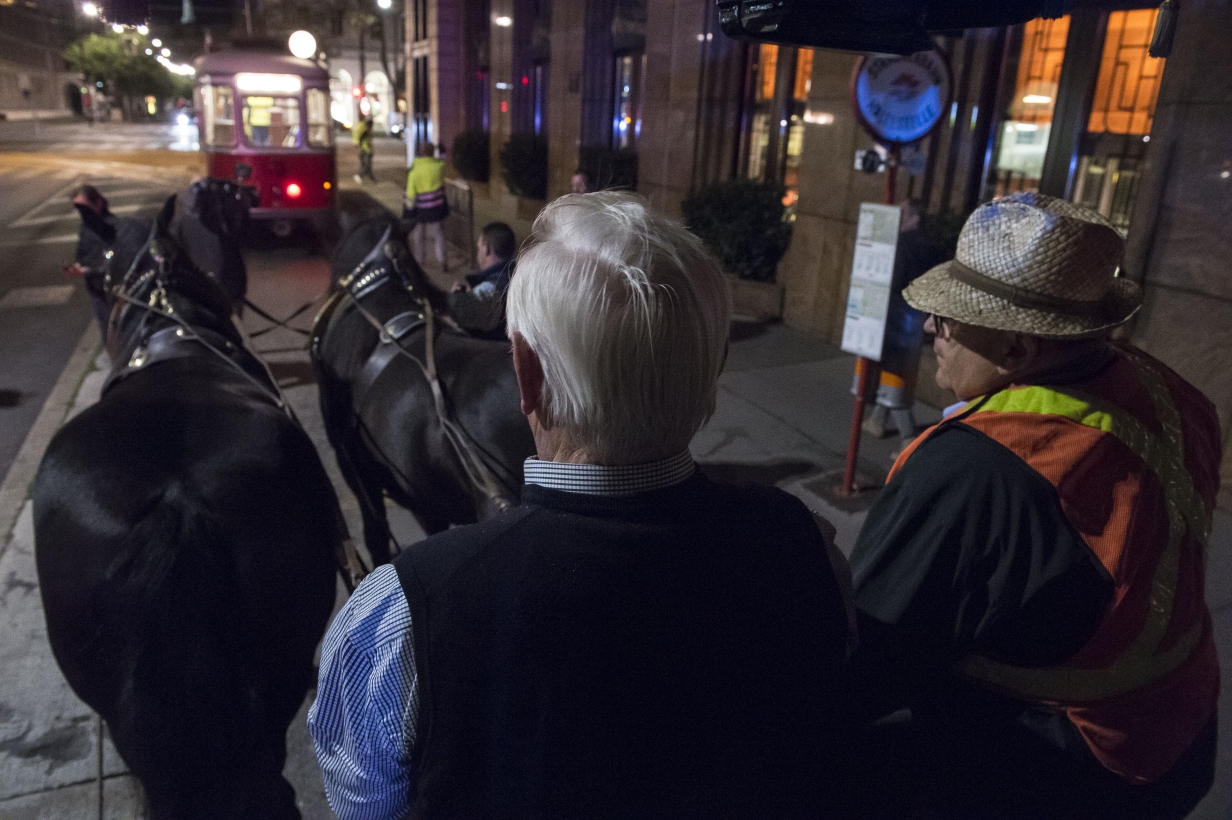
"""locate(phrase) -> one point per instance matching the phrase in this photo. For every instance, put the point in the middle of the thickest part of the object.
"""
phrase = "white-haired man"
(1030, 581)
(633, 639)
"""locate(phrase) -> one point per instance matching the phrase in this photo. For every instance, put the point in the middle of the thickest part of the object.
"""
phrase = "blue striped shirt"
(365, 715)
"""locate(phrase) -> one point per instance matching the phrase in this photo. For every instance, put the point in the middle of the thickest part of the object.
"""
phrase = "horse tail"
(187, 698)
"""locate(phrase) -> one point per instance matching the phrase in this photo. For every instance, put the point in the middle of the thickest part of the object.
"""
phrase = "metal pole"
(865, 368)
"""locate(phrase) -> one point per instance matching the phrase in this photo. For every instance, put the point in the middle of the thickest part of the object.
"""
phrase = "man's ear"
(1021, 350)
(529, 372)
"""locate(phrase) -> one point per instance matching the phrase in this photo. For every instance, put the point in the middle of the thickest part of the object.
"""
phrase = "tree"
(119, 61)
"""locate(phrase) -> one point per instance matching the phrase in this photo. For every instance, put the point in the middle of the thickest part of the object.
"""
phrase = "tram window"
(219, 109)
(320, 131)
(271, 122)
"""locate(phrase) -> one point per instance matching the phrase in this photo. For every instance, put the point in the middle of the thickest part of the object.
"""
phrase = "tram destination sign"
(900, 99)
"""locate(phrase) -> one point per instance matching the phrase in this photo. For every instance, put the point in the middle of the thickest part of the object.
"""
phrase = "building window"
(219, 116)
(540, 79)
(627, 118)
(320, 128)
(781, 80)
(480, 100)
(1024, 132)
(763, 103)
(801, 84)
(421, 103)
(1112, 150)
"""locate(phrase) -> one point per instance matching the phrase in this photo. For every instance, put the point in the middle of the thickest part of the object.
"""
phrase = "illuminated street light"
(89, 9)
(503, 21)
(156, 42)
(117, 28)
(149, 52)
(302, 44)
(143, 30)
(166, 52)
(384, 4)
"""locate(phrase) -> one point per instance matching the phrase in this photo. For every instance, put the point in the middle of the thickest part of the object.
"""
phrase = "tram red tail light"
(293, 190)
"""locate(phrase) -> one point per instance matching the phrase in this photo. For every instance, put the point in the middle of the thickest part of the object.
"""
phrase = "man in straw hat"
(1030, 581)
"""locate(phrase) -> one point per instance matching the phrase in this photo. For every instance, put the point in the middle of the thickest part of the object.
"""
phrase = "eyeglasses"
(940, 325)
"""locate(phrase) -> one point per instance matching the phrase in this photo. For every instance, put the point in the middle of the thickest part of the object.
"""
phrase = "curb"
(17, 483)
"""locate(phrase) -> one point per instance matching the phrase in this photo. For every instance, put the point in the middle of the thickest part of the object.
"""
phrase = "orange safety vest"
(1133, 453)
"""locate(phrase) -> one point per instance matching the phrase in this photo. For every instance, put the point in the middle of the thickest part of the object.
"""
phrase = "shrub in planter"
(525, 162)
(608, 167)
(741, 222)
(470, 155)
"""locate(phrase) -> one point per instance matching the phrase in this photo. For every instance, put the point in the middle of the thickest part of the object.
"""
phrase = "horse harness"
(359, 283)
(181, 340)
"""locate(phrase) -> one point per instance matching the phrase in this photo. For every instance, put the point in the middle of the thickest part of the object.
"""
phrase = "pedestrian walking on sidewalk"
(425, 201)
(362, 137)
(1030, 581)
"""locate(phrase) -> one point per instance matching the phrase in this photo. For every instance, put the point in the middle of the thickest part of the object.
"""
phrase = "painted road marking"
(44, 296)
(27, 220)
(46, 240)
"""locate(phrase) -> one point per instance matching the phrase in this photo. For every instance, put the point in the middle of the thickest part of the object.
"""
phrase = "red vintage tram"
(265, 119)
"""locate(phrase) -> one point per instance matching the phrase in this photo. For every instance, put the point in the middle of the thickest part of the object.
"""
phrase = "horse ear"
(165, 216)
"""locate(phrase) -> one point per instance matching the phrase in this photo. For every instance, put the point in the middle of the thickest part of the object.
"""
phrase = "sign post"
(898, 100)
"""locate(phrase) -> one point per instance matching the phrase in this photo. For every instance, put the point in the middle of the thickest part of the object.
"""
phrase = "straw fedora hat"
(1033, 264)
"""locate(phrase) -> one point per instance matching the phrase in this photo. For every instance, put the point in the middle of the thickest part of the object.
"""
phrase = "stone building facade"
(1072, 107)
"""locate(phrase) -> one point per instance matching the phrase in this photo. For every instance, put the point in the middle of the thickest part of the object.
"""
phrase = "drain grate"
(47, 296)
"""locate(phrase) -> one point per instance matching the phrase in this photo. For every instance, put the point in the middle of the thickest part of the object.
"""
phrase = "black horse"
(186, 536)
(451, 455)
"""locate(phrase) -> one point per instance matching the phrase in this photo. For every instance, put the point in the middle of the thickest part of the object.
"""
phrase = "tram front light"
(293, 190)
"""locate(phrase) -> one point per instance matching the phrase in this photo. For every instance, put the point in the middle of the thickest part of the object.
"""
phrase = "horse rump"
(166, 657)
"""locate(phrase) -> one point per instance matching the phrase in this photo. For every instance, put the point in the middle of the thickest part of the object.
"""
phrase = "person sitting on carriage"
(633, 639)
(477, 303)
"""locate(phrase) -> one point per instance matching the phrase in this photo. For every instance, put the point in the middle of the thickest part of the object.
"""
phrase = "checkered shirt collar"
(610, 480)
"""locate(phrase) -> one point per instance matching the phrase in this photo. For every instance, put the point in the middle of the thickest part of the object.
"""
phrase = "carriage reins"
(477, 471)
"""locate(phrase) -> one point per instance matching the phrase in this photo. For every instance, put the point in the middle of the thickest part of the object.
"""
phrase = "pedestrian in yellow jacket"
(425, 201)
(362, 137)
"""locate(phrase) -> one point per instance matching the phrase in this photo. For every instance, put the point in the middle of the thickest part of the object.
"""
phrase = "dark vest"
(668, 654)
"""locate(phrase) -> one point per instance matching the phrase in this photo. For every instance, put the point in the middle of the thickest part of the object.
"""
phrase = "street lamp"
(166, 52)
(143, 30)
(157, 43)
(385, 5)
(117, 28)
(89, 9)
(302, 44)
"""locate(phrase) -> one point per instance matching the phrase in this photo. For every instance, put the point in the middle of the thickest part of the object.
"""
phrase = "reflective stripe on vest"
(1142, 662)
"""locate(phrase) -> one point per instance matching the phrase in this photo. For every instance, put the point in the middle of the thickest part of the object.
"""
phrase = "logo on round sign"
(900, 99)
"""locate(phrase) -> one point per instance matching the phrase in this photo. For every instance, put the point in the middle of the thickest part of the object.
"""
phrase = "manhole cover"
(37, 297)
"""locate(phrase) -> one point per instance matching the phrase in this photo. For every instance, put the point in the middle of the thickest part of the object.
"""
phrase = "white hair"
(629, 315)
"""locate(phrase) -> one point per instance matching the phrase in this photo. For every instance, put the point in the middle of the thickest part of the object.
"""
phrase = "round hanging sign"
(900, 99)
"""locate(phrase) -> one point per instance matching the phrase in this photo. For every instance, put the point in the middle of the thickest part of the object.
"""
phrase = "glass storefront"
(1122, 110)
(1028, 118)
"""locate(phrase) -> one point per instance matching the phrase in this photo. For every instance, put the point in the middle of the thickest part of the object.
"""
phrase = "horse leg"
(362, 476)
